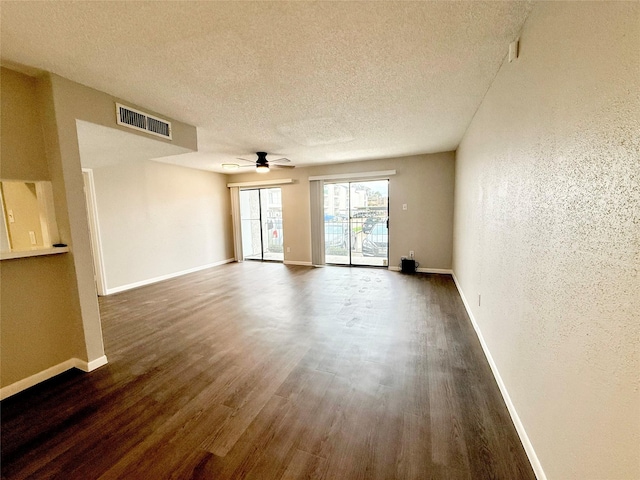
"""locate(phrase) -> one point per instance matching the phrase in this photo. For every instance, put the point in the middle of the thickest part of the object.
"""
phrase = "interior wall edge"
(520, 428)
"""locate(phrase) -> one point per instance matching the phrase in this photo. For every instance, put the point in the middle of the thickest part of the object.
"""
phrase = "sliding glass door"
(261, 224)
(356, 226)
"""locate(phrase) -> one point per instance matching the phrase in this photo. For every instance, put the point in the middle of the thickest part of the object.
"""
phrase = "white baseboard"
(443, 271)
(294, 262)
(92, 365)
(25, 383)
(149, 281)
(522, 433)
(51, 372)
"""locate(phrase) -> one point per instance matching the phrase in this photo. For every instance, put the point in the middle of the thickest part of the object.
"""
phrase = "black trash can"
(408, 265)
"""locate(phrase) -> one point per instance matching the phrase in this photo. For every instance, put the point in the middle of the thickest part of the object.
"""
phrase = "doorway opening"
(356, 223)
(261, 224)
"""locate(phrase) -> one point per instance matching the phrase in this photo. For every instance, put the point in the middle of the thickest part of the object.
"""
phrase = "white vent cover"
(132, 118)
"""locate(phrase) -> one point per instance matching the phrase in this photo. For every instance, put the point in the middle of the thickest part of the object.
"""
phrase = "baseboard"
(51, 372)
(443, 271)
(294, 262)
(92, 365)
(142, 283)
(522, 433)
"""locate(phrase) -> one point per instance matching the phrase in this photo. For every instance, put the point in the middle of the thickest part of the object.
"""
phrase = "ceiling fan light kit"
(262, 164)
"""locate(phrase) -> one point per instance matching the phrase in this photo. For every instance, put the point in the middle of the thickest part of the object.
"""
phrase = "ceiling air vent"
(132, 118)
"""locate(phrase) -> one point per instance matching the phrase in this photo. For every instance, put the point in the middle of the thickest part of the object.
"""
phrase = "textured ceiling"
(314, 81)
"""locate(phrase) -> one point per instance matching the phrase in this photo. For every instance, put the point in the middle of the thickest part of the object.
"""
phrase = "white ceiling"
(313, 81)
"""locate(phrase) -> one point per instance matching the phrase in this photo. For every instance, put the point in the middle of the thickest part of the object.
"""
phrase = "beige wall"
(64, 102)
(158, 219)
(40, 324)
(423, 182)
(22, 147)
(64, 299)
(546, 230)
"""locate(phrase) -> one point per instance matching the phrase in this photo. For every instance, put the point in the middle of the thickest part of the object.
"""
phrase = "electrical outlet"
(32, 236)
(288, 249)
(411, 254)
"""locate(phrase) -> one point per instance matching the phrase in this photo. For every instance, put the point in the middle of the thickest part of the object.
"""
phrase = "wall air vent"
(132, 118)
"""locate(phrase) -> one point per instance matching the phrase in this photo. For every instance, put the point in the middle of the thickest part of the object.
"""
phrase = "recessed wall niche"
(28, 217)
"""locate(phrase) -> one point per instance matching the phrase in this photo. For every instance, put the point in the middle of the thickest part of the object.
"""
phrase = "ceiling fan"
(262, 165)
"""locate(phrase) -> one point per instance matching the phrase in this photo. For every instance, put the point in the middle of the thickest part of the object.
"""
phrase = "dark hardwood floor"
(266, 371)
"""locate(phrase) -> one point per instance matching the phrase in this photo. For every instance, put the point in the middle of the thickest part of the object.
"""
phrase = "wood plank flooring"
(266, 371)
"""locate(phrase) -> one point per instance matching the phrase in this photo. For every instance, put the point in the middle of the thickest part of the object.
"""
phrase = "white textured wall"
(158, 219)
(547, 229)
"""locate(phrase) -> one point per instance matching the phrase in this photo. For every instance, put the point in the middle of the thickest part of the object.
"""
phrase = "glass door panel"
(271, 210)
(250, 224)
(369, 214)
(261, 223)
(356, 223)
(336, 223)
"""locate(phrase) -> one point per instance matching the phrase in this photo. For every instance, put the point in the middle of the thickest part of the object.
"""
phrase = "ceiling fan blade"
(282, 166)
(245, 160)
(280, 160)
